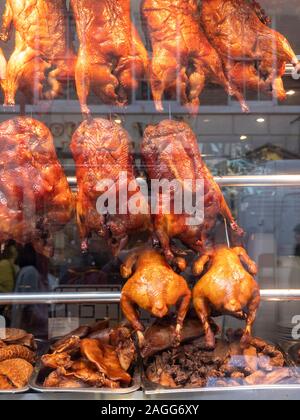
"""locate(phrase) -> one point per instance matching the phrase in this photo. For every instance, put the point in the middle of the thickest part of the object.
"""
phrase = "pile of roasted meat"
(17, 357)
(227, 42)
(91, 357)
(192, 366)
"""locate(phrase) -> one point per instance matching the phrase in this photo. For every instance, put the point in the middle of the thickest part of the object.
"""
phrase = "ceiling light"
(260, 120)
(206, 120)
(243, 138)
(118, 121)
(290, 92)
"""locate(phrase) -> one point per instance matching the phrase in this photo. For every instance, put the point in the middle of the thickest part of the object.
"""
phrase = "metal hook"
(227, 233)
(170, 112)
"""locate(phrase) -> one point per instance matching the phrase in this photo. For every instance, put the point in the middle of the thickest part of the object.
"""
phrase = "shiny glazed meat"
(227, 288)
(170, 152)
(183, 59)
(35, 196)
(41, 44)
(154, 287)
(102, 151)
(253, 55)
(112, 58)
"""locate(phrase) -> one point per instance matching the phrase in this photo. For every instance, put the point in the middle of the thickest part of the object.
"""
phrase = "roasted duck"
(41, 44)
(253, 55)
(154, 287)
(170, 152)
(183, 59)
(160, 335)
(105, 172)
(112, 58)
(226, 288)
(35, 196)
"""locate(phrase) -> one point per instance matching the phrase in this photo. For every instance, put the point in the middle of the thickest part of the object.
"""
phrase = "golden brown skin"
(227, 288)
(17, 371)
(57, 360)
(15, 351)
(183, 59)
(112, 58)
(102, 151)
(105, 358)
(154, 287)
(253, 55)
(35, 196)
(170, 152)
(41, 43)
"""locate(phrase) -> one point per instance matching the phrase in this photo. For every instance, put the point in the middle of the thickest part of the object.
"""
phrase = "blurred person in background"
(32, 278)
(8, 274)
(8, 267)
(297, 238)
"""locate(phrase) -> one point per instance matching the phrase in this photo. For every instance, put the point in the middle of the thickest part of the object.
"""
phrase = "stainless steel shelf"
(268, 295)
(244, 181)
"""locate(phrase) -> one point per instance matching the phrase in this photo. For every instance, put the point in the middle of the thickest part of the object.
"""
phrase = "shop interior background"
(267, 141)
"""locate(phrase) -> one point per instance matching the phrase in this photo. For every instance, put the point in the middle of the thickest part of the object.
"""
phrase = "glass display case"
(66, 65)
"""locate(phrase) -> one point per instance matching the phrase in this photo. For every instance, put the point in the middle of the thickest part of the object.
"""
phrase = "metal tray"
(15, 391)
(41, 345)
(40, 373)
(151, 388)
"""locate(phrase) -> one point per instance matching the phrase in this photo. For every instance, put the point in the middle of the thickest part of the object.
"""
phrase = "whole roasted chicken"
(170, 152)
(154, 287)
(41, 45)
(183, 60)
(253, 55)
(35, 196)
(226, 288)
(105, 173)
(112, 58)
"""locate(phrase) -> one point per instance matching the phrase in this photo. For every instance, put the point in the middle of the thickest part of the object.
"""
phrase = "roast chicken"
(41, 46)
(170, 153)
(105, 172)
(183, 60)
(253, 55)
(36, 200)
(112, 59)
(154, 287)
(226, 288)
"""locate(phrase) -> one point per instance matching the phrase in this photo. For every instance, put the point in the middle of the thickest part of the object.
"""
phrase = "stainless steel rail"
(268, 295)
(244, 181)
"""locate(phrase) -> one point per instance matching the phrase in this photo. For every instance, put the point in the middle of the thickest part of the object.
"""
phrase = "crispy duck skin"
(154, 287)
(16, 352)
(56, 360)
(17, 371)
(227, 288)
(36, 199)
(170, 152)
(57, 380)
(112, 58)
(253, 55)
(183, 59)
(105, 358)
(41, 44)
(102, 151)
(5, 384)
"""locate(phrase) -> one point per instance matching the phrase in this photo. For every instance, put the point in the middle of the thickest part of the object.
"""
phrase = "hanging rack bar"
(268, 295)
